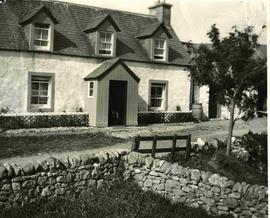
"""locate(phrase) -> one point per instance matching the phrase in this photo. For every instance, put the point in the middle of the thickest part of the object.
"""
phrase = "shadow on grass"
(33, 145)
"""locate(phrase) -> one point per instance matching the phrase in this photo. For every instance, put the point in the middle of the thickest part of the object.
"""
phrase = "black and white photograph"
(134, 108)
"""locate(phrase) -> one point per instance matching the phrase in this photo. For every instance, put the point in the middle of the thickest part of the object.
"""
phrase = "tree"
(230, 67)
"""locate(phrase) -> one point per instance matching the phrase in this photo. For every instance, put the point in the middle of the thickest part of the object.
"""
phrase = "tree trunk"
(231, 125)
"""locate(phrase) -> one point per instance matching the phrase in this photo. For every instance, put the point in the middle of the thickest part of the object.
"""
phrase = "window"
(158, 91)
(42, 36)
(40, 91)
(91, 89)
(159, 49)
(105, 43)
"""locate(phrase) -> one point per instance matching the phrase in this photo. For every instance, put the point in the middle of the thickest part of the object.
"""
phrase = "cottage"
(58, 56)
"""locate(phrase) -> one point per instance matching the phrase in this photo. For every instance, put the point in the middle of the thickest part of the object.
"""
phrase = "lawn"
(14, 146)
(123, 199)
(52, 141)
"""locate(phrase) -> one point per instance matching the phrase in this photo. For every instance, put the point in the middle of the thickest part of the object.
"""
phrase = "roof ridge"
(96, 7)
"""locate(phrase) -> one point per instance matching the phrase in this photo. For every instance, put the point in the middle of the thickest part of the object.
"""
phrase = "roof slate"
(69, 38)
(36, 11)
(95, 23)
(149, 30)
(105, 67)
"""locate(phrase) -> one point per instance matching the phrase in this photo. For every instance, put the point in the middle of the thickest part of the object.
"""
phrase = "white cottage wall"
(178, 84)
(69, 73)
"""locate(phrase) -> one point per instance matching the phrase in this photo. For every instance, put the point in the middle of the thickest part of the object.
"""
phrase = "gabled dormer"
(102, 34)
(38, 26)
(154, 38)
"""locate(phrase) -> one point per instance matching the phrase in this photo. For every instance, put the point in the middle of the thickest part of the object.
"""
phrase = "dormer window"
(102, 34)
(105, 43)
(42, 34)
(39, 25)
(160, 49)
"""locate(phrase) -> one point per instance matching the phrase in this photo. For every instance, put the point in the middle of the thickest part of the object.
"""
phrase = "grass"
(123, 199)
(32, 145)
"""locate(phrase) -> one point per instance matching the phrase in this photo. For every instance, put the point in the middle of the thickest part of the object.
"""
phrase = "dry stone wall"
(68, 177)
(77, 175)
(196, 188)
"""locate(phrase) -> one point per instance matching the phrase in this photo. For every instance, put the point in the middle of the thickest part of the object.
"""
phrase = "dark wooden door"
(214, 108)
(117, 103)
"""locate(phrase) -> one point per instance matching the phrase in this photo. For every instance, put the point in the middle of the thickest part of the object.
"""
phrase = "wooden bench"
(155, 139)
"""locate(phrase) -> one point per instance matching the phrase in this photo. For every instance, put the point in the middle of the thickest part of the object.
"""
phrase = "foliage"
(236, 170)
(230, 67)
(123, 199)
(256, 145)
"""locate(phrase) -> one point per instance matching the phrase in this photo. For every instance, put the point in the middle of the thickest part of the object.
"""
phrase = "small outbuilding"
(112, 95)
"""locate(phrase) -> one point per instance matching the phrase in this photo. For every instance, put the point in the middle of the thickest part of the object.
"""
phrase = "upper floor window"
(105, 43)
(42, 36)
(159, 49)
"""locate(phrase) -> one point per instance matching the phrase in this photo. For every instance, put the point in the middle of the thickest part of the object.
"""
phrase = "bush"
(256, 145)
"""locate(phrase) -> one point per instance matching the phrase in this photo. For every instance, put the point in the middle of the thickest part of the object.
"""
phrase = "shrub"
(256, 145)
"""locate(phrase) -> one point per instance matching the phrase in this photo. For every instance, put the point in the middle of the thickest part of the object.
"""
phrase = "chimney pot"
(162, 11)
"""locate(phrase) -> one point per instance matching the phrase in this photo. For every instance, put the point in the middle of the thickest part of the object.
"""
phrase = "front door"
(117, 102)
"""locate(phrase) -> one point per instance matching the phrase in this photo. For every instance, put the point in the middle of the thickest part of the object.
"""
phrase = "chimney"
(162, 11)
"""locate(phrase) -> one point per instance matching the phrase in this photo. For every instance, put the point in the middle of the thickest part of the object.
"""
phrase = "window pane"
(44, 86)
(34, 100)
(108, 37)
(162, 43)
(37, 33)
(159, 92)
(35, 86)
(44, 93)
(102, 36)
(156, 102)
(43, 100)
(35, 92)
(91, 92)
(45, 33)
(91, 85)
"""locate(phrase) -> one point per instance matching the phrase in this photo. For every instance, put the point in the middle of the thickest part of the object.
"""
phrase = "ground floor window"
(41, 91)
(158, 95)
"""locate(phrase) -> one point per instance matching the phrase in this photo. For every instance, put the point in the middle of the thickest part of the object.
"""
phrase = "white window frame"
(112, 43)
(162, 85)
(49, 39)
(164, 56)
(49, 93)
(91, 89)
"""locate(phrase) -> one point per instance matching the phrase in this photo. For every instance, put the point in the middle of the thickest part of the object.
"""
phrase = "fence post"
(173, 146)
(154, 146)
(188, 151)
(135, 143)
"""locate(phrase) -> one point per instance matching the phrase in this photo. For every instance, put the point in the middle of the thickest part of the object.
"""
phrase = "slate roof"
(95, 23)
(29, 17)
(149, 30)
(69, 38)
(105, 67)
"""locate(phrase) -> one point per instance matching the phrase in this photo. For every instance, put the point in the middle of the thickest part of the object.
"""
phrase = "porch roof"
(102, 70)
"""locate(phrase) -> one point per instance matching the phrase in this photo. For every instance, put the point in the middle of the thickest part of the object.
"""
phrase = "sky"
(192, 19)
